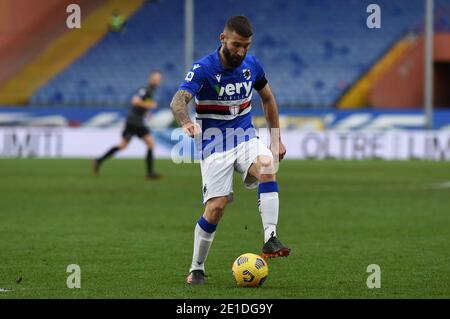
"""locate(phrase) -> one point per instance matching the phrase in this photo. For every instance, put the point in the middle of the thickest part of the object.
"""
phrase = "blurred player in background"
(116, 22)
(222, 84)
(141, 102)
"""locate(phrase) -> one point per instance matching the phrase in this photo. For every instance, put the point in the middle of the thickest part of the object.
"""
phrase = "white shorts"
(218, 168)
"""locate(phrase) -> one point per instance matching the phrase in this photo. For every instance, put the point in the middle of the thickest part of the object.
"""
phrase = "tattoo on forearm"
(179, 106)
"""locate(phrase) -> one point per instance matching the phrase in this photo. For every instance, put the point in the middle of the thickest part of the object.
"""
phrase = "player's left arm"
(273, 121)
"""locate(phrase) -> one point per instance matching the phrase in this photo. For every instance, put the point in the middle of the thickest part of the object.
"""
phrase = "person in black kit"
(140, 104)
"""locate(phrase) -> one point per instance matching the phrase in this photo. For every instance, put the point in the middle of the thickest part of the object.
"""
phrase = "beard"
(233, 60)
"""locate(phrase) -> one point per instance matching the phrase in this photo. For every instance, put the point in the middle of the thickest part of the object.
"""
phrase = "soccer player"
(222, 84)
(141, 102)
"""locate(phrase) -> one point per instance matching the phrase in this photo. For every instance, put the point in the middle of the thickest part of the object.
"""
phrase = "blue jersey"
(223, 100)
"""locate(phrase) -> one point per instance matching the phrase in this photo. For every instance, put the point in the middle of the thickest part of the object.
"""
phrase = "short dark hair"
(241, 25)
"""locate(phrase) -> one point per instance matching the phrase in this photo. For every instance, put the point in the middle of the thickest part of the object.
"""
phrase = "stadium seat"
(311, 50)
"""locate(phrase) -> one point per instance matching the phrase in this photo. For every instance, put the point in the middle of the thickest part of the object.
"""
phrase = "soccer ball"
(250, 270)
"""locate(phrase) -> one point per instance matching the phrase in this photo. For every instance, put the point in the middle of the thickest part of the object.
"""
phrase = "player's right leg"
(113, 150)
(217, 178)
(205, 230)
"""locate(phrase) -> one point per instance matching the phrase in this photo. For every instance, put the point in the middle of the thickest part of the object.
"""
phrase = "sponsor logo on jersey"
(235, 88)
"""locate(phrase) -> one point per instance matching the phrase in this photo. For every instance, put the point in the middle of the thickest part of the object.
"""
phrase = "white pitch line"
(4, 290)
(442, 185)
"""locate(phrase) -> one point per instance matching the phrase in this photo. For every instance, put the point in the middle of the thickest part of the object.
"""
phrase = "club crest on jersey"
(234, 109)
(247, 74)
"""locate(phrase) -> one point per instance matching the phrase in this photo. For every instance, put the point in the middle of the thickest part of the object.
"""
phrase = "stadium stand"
(310, 62)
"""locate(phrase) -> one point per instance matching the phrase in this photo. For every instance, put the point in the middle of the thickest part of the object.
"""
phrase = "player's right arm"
(179, 106)
(193, 83)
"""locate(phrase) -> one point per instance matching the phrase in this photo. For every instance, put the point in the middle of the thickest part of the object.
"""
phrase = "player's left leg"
(268, 202)
(255, 163)
(150, 142)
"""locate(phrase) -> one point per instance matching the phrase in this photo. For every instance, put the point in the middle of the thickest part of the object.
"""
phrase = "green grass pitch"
(133, 238)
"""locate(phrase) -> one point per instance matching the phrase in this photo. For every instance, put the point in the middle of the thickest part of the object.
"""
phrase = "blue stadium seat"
(312, 50)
